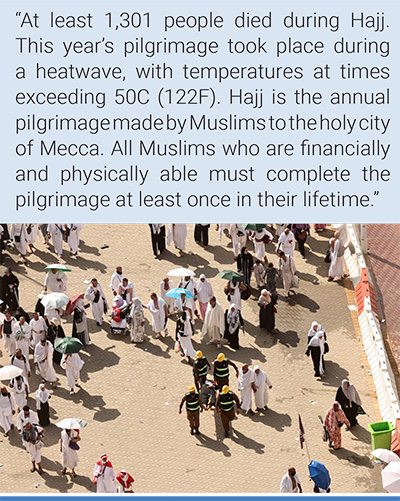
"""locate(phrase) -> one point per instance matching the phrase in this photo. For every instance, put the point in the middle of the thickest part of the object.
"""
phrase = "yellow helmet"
(191, 388)
(199, 354)
(225, 389)
(221, 357)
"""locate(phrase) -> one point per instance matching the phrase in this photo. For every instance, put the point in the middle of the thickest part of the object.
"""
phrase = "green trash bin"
(381, 435)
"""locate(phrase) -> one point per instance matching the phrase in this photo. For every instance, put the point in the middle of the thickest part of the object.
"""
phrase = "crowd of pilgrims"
(22, 332)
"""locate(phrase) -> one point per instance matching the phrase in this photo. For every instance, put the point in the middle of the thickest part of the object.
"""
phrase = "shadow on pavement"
(273, 419)
(352, 457)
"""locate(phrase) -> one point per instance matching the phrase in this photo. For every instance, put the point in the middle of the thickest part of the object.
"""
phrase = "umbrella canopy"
(391, 477)
(231, 275)
(10, 371)
(181, 272)
(55, 300)
(71, 424)
(58, 267)
(385, 455)
(254, 227)
(68, 345)
(71, 303)
(319, 474)
(177, 293)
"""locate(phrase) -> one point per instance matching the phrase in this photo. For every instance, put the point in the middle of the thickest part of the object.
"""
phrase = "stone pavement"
(384, 259)
(130, 393)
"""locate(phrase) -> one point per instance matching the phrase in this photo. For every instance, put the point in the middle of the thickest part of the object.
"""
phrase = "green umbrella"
(58, 267)
(254, 227)
(231, 275)
(68, 345)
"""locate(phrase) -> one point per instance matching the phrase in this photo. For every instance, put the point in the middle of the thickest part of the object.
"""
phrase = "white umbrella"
(60, 267)
(55, 300)
(391, 477)
(71, 424)
(181, 272)
(385, 455)
(10, 371)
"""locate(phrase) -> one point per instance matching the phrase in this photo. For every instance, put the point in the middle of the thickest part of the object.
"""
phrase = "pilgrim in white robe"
(116, 281)
(99, 306)
(157, 315)
(69, 456)
(38, 330)
(190, 286)
(336, 268)
(56, 233)
(127, 292)
(51, 313)
(137, 324)
(31, 236)
(279, 229)
(179, 306)
(72, 364)
(204, 294)
(43, 356)
(287, 484)
(22, 420)
(7, 406)
(105, 477)
(236, 297)
(35, 450)
(259, 245)
(214, 324)
(22, 337)
(19, 230)
(185, 339)
(21, 363)
(286, 243)
(55, 282)
(287, 269)
(262, 382)
(73, 237)
(164, 288)
(19, 389)
(239, 238)
(245, 387)
(177, 234)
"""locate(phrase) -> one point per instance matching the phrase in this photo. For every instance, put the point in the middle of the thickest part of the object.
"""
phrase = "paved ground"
(131, 393)
(384, 258)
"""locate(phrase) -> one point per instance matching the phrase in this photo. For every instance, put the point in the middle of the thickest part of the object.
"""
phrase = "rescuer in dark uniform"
(221, 370)
(200, 369)
(193, 408)
(225, 407)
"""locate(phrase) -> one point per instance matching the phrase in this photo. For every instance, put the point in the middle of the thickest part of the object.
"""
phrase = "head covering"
(265, 297)
(191, 388)
(221, 357)
(233, 319)
(199, 354)
(42, 395)
(202, 276)
(42, 294)
(225, 389)
(118, 301)
(55, 321)
(245, 378)
(136, 305)
(319, 341)
(312, 331)
(104, 456)
(350, 392)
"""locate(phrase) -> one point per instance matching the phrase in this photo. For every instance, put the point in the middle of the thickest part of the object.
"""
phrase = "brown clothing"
(227, 417)
(194, 419)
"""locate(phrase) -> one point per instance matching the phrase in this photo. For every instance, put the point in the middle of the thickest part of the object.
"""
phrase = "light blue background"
(386, 207)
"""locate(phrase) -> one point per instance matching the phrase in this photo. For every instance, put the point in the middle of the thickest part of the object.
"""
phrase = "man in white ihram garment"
(286, 269)
(7, 333)
(56, 232)
(26, 416)
(177, 234)
(43, 359)
(72, 364)
(73, 237)
(189, 284)
(98, 301)
(184, 327)
(286, 242)
(55, 281)
(20, 389)
(336, 268)
(204, 293)
(246, 388)
(261, 383)
(126, 291)
(259, 244)
(18, 235)
(165, 286)
(104, 476)
(69, 456)
(239, 238)
(22, 333)
(214, 323)
(159, 313)
(116, 280)
(7, 409)
(38, 329)
(18, 360)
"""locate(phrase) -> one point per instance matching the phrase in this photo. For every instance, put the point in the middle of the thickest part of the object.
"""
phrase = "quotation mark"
(18, 14)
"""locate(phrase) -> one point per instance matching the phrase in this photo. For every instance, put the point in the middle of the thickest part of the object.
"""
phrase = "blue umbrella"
(176, 293)
(319, 474)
